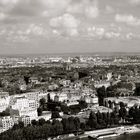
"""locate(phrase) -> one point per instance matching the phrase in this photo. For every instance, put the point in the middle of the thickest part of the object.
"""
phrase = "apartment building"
(26, 120)
(6, 122)
(4, 103)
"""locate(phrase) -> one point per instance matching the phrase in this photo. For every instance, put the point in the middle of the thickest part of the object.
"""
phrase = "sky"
(68, 26)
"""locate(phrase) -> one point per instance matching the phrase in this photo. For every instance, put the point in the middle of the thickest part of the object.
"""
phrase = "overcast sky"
(58, 26)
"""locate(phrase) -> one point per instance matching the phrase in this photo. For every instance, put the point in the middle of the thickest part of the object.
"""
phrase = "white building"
(4, 94)
(46, 115)
(26, 120)
(31, 112)
(32, 95)
(109, 76)
(22, 102)
(102, 83)
(91, 100)
(6, 122)
(33, 104)
(4, 103)
(43, 95)
(72, 103)
(63, 97)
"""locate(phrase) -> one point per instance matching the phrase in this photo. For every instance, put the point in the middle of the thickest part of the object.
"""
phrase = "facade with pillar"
(129, 102)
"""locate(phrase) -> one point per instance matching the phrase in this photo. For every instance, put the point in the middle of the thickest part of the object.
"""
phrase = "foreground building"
(6, 122)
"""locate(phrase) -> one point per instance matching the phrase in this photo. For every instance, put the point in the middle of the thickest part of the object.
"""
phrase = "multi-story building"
(43, 94)
(32, 95)
(61, 97)
(36, 95)
(4, 103)
(33, 104)
(22, 102)
(46, 115)
(4, 94)
(26, 120)
(91, 99)
(6, 122)
(31, 112)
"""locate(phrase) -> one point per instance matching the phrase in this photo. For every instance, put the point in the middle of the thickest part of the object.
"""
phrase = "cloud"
(2, 16)
(92, 11)
(66, 21)
(54, 7)
(75, 8)
(109, 9)
(110, 32)
(8, 2)
(130, 36)
(49, 8)
(33, 7)
(128, 19)
(86, 8)
(55, 4)
(134, 2)
(65, 18)
(23, 32)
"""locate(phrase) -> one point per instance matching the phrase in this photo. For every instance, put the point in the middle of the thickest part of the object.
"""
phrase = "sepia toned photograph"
(69, 69)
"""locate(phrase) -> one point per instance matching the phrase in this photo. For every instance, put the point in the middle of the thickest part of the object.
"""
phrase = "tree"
(43, 104)
(108, 119)
(45, 129)
(71, 124)
(41, 121)
(34, 122)
(39, 111)
(26, 79)
(83, 126)
(16, 126)
(65, 124)
(92, 121)
(65, 109)
(55, 114)
(113, 118)
(49, 98)
(42, 101)
(132, 112)
(76, 123)
(21, 124)
(101, 93)
(28, 133)
(123, 113)
(58, 127)
(100, 120)
(122, 105)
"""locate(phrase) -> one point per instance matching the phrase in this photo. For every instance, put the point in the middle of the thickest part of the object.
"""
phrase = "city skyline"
(68, 26)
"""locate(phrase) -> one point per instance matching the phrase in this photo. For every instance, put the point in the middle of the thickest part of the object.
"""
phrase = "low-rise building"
(34, 80)
(102, 83)
(46, 115)
(91, 99)
(128, 101)
(69, 103)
